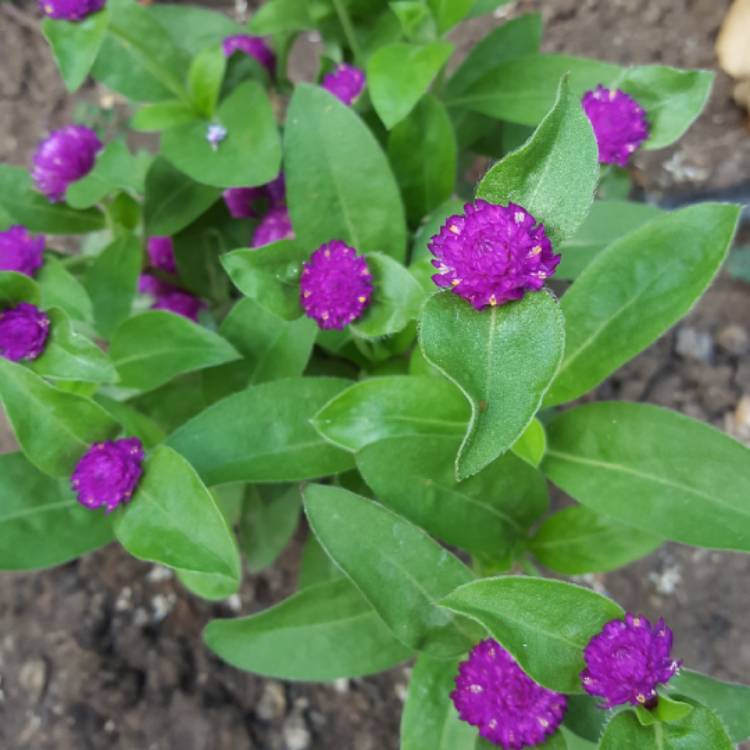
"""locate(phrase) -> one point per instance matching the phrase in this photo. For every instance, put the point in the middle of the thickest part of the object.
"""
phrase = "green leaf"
(270, 516)
(326, 144)
(532, 444)
(53, 428)
(431, 226)
(423, 152)
(162, 116)
(194, 28)
(574, 742)
(654, 469)
(585, 717)
(485, 515)
(17, 287)
(393, 406)
(449, 12)
(270, 275)
(204, 79)
(429, 720)
(636, 289)
(607, 222)
(61, 289)
(700, 730)
(316, 566)
(280, 17)
(399, 74)
(271, 348)
(75, 45)
(133, 422)
(23, 205)
(554, 174)
(556, 742)
(415, 19)
(156, 346)
(70, 356)
(111, 282)
(263, 434)
(544, 624)
(666, 710)
(138, 57)
(729, 700)
(249, 155)
(323, 633)
(399, 569)
(516, 38)
(503, 360)
(484, 7)
(172, 519)
(41, 524)
(396, 299)
(576, 540)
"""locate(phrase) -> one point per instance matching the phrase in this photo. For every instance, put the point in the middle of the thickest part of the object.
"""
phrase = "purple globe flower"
(491, 254)
(23, 332)
(180, 303)
(161, 253)
(276, 191)
(619, 123)
(20, 251)
(254, 46)
(63, 157)
(108, 473)
(70, 10)
(242, 202)
(275, 226)
(509, 709)
(153, 286)
(627, 660)
(345, 82)
(335, 285)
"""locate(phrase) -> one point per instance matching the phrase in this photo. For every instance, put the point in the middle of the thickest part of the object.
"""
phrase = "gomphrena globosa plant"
(295, 302)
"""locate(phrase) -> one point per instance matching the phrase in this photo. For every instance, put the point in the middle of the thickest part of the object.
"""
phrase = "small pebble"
(272, 703)
(694, 344)
(296, 734)
(734, 339)
(33, 677)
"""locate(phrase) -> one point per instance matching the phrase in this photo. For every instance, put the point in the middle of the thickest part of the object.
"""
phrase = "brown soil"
(105, 652)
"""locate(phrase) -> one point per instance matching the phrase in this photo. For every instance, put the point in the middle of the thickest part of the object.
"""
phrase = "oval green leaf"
(17, 287)
(61, 289)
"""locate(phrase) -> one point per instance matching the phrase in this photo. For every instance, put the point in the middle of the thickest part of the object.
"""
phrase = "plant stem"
(346, 24)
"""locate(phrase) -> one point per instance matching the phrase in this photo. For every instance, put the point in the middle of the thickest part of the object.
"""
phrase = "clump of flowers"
(509, 709)
(24, 329)
(619, 124)
(490, 255)
(335, 286)
(345, 82)
(161, 253)
(21, 251)
(246, 202)
(275, 226)
(180, 303)
(253, 46)
(108, 473)
(627, 660)
(66, 155)
(70, 10)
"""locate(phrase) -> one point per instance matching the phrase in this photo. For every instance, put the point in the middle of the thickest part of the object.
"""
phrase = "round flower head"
(345, 82)
(179, 303)
(254, 46)
(490, 255)
(509, 709)
(619, 124)
(70, 10)
(242, 202)
(274, 227)
(153, 286)
(627, 660)
(276, 191)
(108, 473)
(23, 332)
(63, 157)
(161, 253)
(335, 286)
(20, 251)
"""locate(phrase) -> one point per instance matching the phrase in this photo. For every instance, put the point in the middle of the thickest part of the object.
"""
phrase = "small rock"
(694, 344)
(296, 734)
(158, 574)
(272, 703)
(734, 339)
(341, 685)
(33, 678)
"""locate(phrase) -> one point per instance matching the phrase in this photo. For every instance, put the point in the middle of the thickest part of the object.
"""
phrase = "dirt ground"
(105, 652)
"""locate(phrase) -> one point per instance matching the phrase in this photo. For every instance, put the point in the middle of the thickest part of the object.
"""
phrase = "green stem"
(529, 568)
(346, 24)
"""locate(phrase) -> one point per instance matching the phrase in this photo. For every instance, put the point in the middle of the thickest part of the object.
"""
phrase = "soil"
(106, 653)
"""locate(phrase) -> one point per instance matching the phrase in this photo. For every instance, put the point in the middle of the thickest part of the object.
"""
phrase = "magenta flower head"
(153, 286)
(63, 157)
(276, 191)
(180, 303)
(20, 251)
(23, 332)
(253, 46)
(275, 226)
(627, 660)
(70, 10)
(108, 473)
(161, 253)
(490, 255)
(335, 285)
(619, 123)
(345, 82)
(242, 202)
(509, 709)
